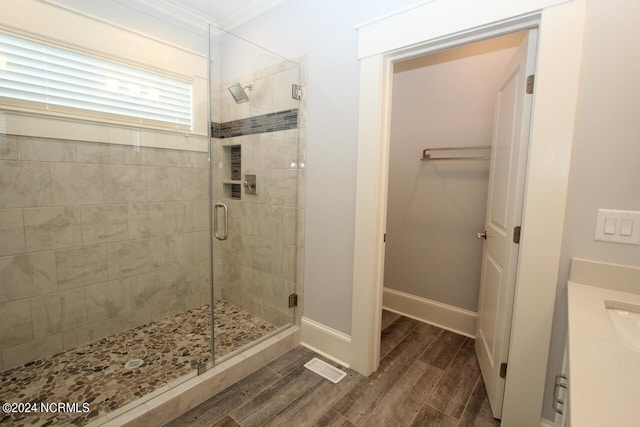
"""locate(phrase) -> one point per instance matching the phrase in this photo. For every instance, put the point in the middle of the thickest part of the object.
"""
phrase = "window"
(42, 78)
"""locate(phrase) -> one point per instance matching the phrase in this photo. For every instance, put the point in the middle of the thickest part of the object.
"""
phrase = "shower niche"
(233, 181)
(232, 170)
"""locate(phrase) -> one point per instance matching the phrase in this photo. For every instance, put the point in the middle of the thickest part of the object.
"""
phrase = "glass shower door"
(255, 183)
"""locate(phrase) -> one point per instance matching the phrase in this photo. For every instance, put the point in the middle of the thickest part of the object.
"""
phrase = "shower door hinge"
(293, 300)
(202, 368)
(503, 370)
(530, 79)
(296, 91)
(516, 234)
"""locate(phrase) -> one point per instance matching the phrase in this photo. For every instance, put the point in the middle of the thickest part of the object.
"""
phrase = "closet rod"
(427, 152)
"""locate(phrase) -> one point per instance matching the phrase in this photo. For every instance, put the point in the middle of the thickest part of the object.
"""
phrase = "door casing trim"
(551, 137)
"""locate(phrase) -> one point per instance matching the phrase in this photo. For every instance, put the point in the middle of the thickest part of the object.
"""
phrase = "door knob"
(482, 235)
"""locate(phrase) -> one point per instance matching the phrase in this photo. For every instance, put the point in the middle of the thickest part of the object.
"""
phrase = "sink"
(625, 319)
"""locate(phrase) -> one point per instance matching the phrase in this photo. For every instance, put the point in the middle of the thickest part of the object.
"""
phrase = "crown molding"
(246, 13)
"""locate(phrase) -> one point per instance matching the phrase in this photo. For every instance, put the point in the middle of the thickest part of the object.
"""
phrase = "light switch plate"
(606, 217)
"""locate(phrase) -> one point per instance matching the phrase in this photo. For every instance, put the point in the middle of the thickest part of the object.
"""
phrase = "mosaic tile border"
(272, 122)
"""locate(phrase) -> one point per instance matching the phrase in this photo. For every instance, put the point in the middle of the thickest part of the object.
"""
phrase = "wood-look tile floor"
(427, 377)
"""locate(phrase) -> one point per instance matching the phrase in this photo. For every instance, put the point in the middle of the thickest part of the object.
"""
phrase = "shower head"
(238, 92)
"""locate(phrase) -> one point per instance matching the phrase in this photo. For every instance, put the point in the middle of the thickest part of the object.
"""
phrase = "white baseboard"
(546, 423)
(326, 341)
(445, 316)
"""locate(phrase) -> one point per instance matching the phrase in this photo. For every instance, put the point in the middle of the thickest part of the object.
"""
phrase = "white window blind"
(35, 76)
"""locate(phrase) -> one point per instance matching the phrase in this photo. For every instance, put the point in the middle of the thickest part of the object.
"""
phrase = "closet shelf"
(477, 152)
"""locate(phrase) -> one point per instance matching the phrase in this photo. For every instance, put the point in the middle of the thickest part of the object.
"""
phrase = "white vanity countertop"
(604, 373)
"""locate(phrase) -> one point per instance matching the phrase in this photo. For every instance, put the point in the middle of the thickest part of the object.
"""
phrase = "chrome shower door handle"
(225, 230)
(482, 235)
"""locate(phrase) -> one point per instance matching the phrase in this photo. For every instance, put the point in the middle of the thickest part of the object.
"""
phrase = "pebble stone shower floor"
(95, 373)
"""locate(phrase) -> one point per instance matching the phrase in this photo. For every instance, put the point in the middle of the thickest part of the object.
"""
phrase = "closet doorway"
(459, 134)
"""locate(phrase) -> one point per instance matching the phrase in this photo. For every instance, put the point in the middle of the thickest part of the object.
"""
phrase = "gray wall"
(605, 163)
(435, 208)
(96, 239)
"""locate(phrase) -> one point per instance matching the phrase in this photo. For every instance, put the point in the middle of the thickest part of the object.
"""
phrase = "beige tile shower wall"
(270, 92)
(96, 239)
(259, 262)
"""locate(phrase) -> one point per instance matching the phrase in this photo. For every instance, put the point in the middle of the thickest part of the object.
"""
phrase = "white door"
(504, 212)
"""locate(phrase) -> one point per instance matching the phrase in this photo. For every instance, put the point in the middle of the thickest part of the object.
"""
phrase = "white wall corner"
(371, 182)
(326, 341)
(445, 316)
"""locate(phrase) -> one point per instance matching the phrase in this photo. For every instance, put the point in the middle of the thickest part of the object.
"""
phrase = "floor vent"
(325, 370)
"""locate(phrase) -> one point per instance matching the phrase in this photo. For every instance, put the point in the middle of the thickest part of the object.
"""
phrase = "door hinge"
(296, 91)
(202, 368)
(503, 370)
(384, 239)
(293, 300)
(530, 79)
(516, 234)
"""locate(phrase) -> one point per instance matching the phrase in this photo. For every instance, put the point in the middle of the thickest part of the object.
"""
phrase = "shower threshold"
(98, 380)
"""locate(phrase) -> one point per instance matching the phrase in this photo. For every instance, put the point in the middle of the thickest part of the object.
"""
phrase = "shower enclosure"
(150, 219)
